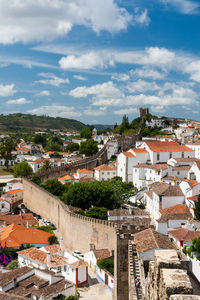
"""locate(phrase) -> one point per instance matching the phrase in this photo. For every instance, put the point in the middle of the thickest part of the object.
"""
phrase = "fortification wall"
(78, 232)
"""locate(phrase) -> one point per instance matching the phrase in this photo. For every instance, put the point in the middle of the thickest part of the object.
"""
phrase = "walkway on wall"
(137, 271)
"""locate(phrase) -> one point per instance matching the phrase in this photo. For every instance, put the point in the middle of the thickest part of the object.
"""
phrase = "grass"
(5, 171)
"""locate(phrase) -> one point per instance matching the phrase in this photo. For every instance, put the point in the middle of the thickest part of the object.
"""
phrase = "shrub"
(53, 240)
(12, 265)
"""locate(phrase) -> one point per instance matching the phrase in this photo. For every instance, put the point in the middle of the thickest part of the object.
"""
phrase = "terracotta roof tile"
(41, 257)
(175, 212)
(65, 178)
(101, 253)
(158, 146)
(183, 234)
(139, 150)
(16, 235)
(194, 198)
(156, 167)
(84, 171)
(165, 189)
(105, 167)
(181, 168)
(149, 239)
(128, 154)
(191, 183)
(14, 191)
(18, 219)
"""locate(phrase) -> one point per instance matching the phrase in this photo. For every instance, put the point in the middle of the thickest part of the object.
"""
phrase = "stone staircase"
(137, 271)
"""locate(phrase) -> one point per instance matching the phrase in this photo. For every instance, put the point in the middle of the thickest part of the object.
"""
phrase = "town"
(111, 213)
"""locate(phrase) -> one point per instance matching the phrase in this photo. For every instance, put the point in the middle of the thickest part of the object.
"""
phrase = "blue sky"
(94, 60)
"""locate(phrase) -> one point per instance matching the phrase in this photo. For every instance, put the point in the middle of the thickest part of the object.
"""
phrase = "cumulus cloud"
(7, 90)
(147, 72)
(80, 77)
(90, 60)
(141, 17)
(94, 112)
(44, 93)
(126, 111)
(52, 79)
(120, 77)
(56, 111)
(19, 101)
(142, 86)
(36, 20)
(183, 6)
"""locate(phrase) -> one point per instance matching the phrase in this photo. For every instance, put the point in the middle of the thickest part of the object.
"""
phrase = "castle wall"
(78, 232)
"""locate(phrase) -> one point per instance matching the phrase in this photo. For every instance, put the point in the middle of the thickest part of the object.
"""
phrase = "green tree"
(97, 212)
(86, 133)
(47, 165)
(40, 139)
(124, 125)
(107, 264)
(36, 179)
(196, 245)
(197, 209)
(53, 240)
(22, 169)
(6, 148)
(88, 148)
(72, 147)
(55, 187)
(47, 228)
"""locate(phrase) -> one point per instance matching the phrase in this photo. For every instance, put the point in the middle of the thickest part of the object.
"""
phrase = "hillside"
(26, 122)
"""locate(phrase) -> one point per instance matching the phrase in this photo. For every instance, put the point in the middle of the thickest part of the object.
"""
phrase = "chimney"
(27, 224)
(61, 242)
(112, 253)
(48, 256)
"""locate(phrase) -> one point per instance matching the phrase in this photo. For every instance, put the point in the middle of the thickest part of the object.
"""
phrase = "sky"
(96, 60)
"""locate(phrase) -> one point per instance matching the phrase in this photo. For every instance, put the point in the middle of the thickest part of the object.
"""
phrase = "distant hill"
(26, 122)
(102, 127)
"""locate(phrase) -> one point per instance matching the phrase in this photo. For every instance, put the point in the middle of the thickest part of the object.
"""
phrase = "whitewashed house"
(162, 195)
(183, 236)
(14, 184)
(61, 263)
(156, 122)
(148, 241)
(194, 172)
(112, 148)
(104, 172)
(82, 173)
(196, 147)
(172, 217)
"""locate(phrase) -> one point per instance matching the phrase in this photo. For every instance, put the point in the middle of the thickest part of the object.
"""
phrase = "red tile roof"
(105, 167)
(101, 253)
(84, 171)
(150, 239)
(183, 234)
(14, 191)
(158, 146)
(65, 178)
(16, 235)
(140, 150)
(191, 183)
(128, 154)
(18, 219)
(156, 167)
(194, 198)
(175, 212)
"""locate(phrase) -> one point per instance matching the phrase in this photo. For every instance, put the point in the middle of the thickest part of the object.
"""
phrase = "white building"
(148, 241)
(104, 172)
(172, 217)
(112, 148)
(155, 122)
(83, 173)
(183, 236)
(54, 259)
(125, 214)
(196, 147)
(14, 184)
(190, 188)
(194, 172)
(160, 196)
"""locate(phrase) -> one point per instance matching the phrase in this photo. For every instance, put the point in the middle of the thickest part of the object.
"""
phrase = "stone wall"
(78, 232)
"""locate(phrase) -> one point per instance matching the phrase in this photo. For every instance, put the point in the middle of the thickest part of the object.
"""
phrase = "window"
(108, 173)
(178, 173)
(59, 268)
(182, 154)
(102, 173)
(2, 205)
(170, 155)
(65, 268)
(158, 156)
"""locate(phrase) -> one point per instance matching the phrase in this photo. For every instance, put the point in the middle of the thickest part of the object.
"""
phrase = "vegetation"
(94, 212)
(72, 147)
(86, 133)
(197, 209)
(12, 265)
(22, 169)
(88, 148)
(47, 228)
(28, 123)
(107, 264)
(55, 187)
(6, 148)
(53, 240)
(36, 179)
(62, 297)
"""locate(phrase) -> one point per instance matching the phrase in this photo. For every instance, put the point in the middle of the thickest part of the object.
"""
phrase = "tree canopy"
(55, 187)
(197, 209)
(86, 133)
(22, 169)
(88, 148)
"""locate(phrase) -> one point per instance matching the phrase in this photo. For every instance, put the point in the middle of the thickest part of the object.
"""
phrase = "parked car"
(52, 226)
(78, 254)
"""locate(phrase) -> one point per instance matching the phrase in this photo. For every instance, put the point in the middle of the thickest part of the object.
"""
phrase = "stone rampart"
(78, 231)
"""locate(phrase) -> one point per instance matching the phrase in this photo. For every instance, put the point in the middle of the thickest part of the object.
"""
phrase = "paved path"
(96, 289)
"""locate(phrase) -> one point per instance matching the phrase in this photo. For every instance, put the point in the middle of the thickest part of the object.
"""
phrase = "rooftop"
(105, 167)
(175, 212)
(156, 167)
(101, 253)
(149, 239)
(158, 146)
(184, 234)
(18, 219)
(165, 189)
(128, 154)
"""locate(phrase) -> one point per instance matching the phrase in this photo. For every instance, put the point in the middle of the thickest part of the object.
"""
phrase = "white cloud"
(142, 18)
(36, 20)
(52, 79)
(104, 90)
(147, 72)
(80, 77)
(126, 111)
(44, 93)
(19, 101)
(183, 6)
(7, 90)
(92, 112)
(142, 86)
(56, 111)
(120, 77)
(90, 60)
